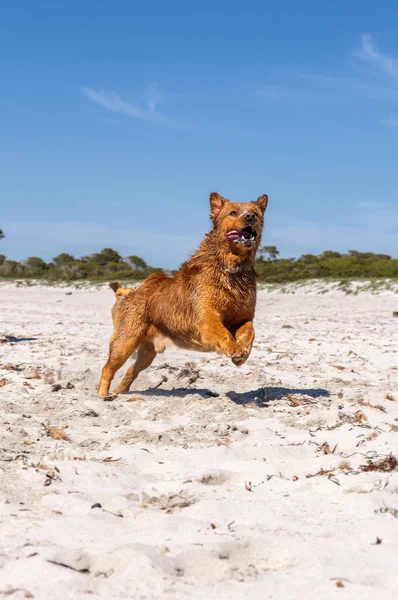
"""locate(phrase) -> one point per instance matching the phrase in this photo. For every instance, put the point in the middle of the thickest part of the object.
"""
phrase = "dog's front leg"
(215, 337)
(244, 336)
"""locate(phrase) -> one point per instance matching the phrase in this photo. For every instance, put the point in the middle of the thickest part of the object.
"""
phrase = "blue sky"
(118, 118)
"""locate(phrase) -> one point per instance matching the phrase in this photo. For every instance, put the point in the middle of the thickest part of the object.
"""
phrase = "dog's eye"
(233, 213)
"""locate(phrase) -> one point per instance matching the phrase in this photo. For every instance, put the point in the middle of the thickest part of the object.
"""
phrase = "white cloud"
(372, 56)
(376, 83)
(113, 102)
(155, 96)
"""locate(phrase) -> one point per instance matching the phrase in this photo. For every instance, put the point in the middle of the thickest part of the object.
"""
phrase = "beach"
(273, 480)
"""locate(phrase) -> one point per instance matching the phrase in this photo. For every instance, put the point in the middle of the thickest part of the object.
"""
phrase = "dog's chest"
(237, 307)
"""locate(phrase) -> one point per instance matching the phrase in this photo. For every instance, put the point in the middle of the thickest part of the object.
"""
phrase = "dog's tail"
(115, 286)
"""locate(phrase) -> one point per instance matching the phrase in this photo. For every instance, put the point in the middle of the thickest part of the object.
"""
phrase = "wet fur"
(121, 293)
(207, 306)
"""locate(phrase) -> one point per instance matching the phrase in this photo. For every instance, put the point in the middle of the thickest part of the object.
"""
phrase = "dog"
(207, 306)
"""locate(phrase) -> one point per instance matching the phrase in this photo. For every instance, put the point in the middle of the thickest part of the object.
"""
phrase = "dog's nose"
(250, 218)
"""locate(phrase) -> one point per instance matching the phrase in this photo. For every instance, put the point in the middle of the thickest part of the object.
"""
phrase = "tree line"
(108, 264)
(101, 266)
(328, 264)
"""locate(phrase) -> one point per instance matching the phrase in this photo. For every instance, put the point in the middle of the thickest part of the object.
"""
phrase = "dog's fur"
(121, 293)
(208, 306)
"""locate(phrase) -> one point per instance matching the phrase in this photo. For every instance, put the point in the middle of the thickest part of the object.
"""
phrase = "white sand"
(210, 496)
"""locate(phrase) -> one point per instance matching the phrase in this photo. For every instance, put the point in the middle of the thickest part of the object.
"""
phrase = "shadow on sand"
(177, 392)
(261, 396)
(16, 340)
(264, 395)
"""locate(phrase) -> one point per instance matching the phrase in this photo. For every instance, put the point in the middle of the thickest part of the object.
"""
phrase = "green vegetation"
(328, 265)
(103, 266)
(109, 265)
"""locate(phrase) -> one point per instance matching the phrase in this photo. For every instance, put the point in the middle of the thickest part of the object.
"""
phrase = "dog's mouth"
(246, 236)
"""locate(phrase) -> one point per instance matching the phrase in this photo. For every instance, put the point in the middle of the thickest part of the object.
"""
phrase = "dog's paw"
(240, 358)
(121, 389)
(109, 397)
(233, 264)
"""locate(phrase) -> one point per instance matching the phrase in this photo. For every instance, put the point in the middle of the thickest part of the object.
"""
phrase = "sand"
(206, 481)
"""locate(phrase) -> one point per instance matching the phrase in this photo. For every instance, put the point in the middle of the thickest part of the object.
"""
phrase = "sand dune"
(274, 480)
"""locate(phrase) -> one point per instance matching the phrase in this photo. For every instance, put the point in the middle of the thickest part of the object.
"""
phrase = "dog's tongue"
(235, 235)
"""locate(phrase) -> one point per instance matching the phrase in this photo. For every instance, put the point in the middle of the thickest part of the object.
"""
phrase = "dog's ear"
(262, 202)
(115, 286)
(216, 204)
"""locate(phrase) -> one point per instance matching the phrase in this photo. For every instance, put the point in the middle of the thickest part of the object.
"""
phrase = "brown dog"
(208, 306)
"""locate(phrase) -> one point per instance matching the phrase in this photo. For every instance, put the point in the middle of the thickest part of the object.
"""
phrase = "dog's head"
(239, 224)
(120, 291)
(116, 287)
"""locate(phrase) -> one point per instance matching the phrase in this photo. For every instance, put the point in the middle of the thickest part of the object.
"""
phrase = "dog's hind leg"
(121, 348)
(146, 354)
